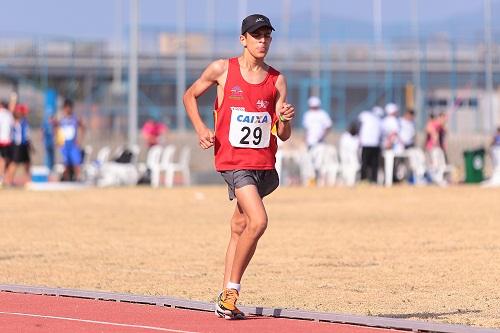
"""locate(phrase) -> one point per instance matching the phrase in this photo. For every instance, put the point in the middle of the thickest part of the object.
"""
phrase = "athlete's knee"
(257, 226)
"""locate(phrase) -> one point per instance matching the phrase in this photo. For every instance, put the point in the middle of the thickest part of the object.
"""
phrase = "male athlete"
(250, 112)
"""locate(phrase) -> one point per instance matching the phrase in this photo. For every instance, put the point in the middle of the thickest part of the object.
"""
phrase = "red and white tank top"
(245, 123)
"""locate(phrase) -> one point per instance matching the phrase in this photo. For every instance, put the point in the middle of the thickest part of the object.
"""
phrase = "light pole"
(416, 62)
(316, 65)
(133, 72)
(491, 116)
(117, 86)
(181, 64)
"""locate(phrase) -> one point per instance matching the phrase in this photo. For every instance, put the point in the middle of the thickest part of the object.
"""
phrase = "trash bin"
(474, 165)
(40, 174)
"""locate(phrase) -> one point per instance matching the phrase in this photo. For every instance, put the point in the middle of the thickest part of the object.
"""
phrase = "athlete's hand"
(206, 138)
(287, 112)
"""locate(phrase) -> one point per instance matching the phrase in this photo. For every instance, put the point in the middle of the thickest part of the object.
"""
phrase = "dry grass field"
(418, 253)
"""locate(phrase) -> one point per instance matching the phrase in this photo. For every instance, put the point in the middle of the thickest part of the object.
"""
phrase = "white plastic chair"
(438, 168)
(326, 163)
(117, 174)
(330, 167)
(285, 158)
(88, 154)
(136, 150)
(103, 155)
(416, 159)
(87, 162)
(153, 163)
(167, 158)
(494, 180)
(349, 165)
(307, 171)
(181, 166)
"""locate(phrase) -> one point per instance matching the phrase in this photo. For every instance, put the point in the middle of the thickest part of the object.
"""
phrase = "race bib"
(69, 132)
(249, 129)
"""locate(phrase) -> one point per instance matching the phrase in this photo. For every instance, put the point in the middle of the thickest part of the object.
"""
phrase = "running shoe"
(225, 305)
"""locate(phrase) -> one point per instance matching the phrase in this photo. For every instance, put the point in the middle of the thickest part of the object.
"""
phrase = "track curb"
(368, 321)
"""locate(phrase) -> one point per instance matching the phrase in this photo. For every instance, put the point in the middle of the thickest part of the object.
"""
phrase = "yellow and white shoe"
(225, 305)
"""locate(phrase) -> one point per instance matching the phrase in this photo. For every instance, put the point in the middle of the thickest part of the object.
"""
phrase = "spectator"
(391, 128)
(442, 129)
(152, 130)
(6, 124)
(316, 122)
(393, 144)
(407, 131)
(21, 145)
(432, 133)
(70, 134)
(370, 135)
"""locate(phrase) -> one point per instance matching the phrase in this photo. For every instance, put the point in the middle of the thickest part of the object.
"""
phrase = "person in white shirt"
(393, 144)
(391, 128)
(316, 122)
(407, 130)
(370, 134)
(6, 124)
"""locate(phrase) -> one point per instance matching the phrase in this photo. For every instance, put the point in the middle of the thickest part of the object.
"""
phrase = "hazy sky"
(94, 19)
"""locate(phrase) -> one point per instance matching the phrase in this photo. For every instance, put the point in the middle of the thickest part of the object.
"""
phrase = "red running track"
(28, 313)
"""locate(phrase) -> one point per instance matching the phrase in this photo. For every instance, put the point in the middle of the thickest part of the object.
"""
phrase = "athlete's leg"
(10, 173)
(238, 224)
(76, 170)
(252, 206)
(76, 158)
(66, 159)
(27, 173)
(2, 168)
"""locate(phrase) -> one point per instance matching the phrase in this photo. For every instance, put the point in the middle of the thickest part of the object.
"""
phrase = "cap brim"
(258, 26)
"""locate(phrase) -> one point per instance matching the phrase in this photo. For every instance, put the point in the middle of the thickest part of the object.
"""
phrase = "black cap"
(255, 22)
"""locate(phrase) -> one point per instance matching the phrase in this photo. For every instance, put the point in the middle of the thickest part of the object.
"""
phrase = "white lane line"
(95, 322)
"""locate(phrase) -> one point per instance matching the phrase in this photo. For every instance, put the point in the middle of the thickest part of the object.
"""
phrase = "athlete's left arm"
(284, 111)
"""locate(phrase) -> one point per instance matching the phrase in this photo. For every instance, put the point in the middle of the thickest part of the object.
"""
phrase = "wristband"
(282, 119)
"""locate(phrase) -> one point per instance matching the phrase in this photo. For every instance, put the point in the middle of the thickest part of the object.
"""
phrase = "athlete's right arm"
(212, 75)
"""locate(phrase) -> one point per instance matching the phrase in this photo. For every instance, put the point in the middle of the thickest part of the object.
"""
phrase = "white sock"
(231, 285)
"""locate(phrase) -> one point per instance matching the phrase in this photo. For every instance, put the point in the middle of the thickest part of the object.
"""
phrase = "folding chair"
(416, 158)
(182, 166)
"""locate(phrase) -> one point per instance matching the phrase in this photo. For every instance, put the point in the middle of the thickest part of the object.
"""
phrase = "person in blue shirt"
(70, 130)
(21, 145)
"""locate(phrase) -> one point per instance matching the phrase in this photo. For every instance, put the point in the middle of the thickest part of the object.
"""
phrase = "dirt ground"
(416, 253)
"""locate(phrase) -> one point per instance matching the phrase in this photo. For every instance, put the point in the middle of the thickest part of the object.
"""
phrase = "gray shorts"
(266, 181)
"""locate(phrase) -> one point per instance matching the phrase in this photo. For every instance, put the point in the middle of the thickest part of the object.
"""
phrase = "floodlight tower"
(117, 84)
(181, 64)
(316, 37)
(133, 72)
(491, 116)
(417, 57)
